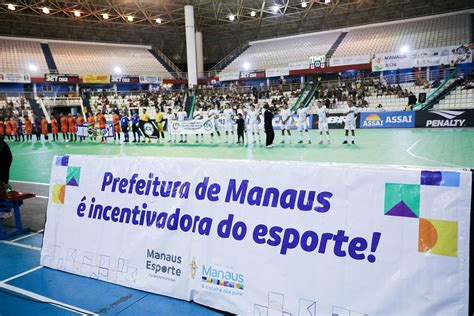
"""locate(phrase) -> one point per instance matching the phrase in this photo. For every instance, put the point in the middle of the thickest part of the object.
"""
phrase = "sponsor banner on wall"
(230, 76)
(253, 74)
(311, 239)
(124, 79)
(300, 65)
(277, 72)
(204, 126)
(15, 78)
(150, 79)
(61, 78)
(350, 60)
(421, 58)
(317, 62)
(397, 119)
(445, 118)
(335, 121)
(96, 78)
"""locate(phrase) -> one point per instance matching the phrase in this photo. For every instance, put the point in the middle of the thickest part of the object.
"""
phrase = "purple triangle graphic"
(72, 182)
(401, 209)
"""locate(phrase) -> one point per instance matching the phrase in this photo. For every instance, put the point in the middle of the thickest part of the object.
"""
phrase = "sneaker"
(270, 146)
(282, 142)
(300, 142)
(185, 142)
(197, 142)
(344, 142)
(169, 141)
(320, 142)
(353, 143)
(180, 142)
(309, 142)
(329, 142)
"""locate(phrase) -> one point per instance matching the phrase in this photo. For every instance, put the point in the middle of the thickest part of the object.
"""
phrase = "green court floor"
(421, 147)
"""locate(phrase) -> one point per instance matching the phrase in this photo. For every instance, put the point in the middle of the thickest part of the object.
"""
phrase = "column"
(190, 45)
(199, 55)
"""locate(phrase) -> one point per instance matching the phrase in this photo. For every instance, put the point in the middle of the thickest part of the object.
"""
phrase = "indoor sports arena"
(236, 157)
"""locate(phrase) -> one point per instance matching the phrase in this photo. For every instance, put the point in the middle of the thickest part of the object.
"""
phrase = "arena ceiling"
(271, 18)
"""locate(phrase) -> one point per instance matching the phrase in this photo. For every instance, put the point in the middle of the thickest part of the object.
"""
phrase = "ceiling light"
(130, 18)
(158, 20)
(45, 10)
(105, 16)
(275, 9)
(253, 13)
(231, 17)
(33, 67)
(246, 66)
(404, 49)
(327, 1)
(77, 13)
(304, 4)
(11, 7)
(117, 70)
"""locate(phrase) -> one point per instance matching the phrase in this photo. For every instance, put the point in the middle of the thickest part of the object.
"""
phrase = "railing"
(220, 65)
(175, 68)
(232, 88)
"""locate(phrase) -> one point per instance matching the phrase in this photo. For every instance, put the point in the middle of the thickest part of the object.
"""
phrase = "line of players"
(249, 120)
(248, 123)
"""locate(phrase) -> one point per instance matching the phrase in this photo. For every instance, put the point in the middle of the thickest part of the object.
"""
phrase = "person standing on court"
(268, 118)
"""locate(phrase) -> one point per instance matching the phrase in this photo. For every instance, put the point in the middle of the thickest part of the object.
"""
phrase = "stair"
(229, 58)
(164, 63)
(335, 45)
(35, 107)
(49, 58)
(442, 94)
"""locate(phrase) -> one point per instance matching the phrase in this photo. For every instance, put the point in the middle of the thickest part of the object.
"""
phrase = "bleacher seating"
(457, 99)
(422, 33)
(280, 52)
(79, 58)
(427, 33)
(19, 56)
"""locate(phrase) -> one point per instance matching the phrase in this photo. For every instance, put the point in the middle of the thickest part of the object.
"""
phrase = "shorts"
(253, 128)
(323, 127)
(285, 125)
(350, 125)
(125, 129)
(302, 126)
(229, 126)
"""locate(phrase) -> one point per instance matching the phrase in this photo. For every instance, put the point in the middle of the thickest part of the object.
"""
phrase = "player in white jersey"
(182, 115)
(350, 124)
(323, 122)
(229, 123)
(254, 121)
(302, 114)
(170, 116)
(198, 115)
(214, 113)
(285, 114)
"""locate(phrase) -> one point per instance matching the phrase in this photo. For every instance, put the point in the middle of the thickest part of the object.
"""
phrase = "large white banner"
(298, 65)
(204, 126)
(421, 58)
(15, 78)
(266, 238)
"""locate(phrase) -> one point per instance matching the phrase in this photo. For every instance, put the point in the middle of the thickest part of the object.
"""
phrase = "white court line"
(16, 276)
(28, 182)
(20, 245)
(29, 235)
(45, 299)
(427, 159)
